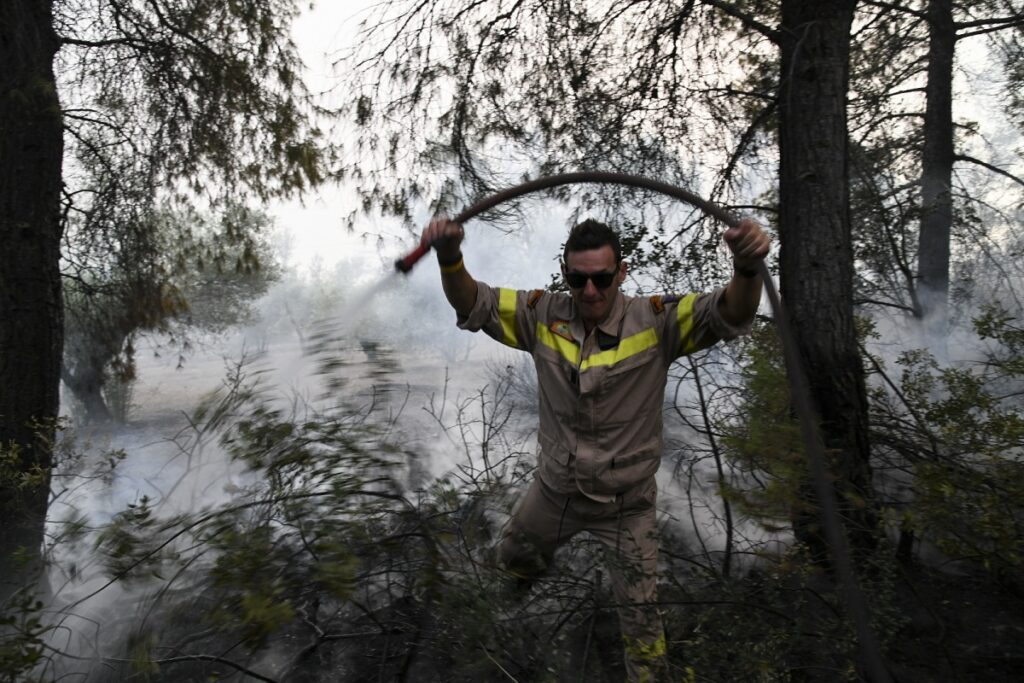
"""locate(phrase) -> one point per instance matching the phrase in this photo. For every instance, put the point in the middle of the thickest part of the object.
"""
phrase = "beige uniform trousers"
(545, 519)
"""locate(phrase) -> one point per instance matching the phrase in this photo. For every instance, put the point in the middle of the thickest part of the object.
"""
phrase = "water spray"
(856, 606)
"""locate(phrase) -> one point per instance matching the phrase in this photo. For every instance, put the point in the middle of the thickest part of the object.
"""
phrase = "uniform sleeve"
(695, 322)
(503, 315)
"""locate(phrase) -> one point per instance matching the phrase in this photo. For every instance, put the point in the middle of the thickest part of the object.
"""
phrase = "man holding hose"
(602, 362)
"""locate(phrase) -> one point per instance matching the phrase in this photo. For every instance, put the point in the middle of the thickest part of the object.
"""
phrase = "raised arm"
(446, 239)
(749, 244)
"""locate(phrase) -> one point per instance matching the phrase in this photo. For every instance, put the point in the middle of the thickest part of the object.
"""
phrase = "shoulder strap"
(659, 301)
(535, 296)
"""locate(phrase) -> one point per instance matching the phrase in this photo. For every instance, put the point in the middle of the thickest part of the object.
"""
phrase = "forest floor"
(960, 627)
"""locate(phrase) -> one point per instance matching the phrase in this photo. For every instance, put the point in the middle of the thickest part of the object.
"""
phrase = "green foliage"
(182, 274)
(782, 621)
(166, 109)
(964, 444)
(16, 475)
(22, 636)
(969, 511)
(762, 440)
(163, 90)
(304, 530)
(140, 645)
(948, 444)
(247, 569)
(489, 94)
(130, 544)
(320, 544)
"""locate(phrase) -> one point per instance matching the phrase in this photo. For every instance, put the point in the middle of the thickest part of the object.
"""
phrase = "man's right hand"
(445, 236)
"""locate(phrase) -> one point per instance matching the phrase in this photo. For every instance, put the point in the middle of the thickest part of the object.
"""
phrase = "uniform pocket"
(643, 496)
(633, 379)
(631, 362)
(628, 470)
(553, 463)
(552, 450)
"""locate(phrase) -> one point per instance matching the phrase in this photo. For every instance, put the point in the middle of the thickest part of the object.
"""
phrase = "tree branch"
(172, 660)
(201, 658)
(746, 19)
(994, 169)
(741, 148)
(886, 304)
(1001, 22)
(897, 8)
(755, 207)
(730, 91)
(991, 29)
(64, 40)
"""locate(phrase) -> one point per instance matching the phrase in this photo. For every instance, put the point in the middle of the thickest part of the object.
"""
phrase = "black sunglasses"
(601, 280)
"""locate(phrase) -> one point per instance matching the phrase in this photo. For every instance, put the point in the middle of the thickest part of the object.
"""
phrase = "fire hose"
(870, 653)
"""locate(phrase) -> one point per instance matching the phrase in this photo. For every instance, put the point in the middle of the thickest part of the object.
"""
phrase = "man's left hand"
(748, 242)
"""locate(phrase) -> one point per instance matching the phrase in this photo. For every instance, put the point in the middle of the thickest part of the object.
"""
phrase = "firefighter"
(602, 360)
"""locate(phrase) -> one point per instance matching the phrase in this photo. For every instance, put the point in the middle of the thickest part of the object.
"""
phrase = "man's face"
(594, 302)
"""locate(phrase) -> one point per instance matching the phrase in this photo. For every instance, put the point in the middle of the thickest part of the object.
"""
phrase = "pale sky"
(315, 224)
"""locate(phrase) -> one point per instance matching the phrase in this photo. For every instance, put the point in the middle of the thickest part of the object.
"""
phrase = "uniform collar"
(610, 325)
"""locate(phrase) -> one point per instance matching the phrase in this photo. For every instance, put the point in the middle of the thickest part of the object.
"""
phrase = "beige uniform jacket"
(601, 396)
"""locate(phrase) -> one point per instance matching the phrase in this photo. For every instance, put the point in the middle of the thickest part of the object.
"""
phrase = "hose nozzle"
(405, 264)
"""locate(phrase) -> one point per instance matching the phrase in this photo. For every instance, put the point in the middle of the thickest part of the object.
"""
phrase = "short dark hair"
(591, 234)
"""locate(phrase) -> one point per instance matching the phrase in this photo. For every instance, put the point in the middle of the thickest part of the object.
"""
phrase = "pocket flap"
(552, 449)
(650, 452)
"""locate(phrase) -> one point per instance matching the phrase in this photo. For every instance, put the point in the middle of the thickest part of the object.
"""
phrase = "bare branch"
(897, 8)
(202, 658)
(755, 207)
(746, 18)
(992, 22)
(756, 124)
(994, 169)
(885, 304)
(991, 29)
(79, 42)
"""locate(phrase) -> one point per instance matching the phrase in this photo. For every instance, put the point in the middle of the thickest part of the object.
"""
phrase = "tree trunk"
(816, 251)
(937, 167)
(31, 148)
(86, 384)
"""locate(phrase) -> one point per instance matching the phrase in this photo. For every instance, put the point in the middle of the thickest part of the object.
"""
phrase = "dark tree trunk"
(937, 166)
(31, 147)
(816, 252)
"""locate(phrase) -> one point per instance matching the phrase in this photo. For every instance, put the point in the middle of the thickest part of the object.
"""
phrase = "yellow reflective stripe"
(562, 346)
(507, 315)
(684, 315)
(630, 346)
